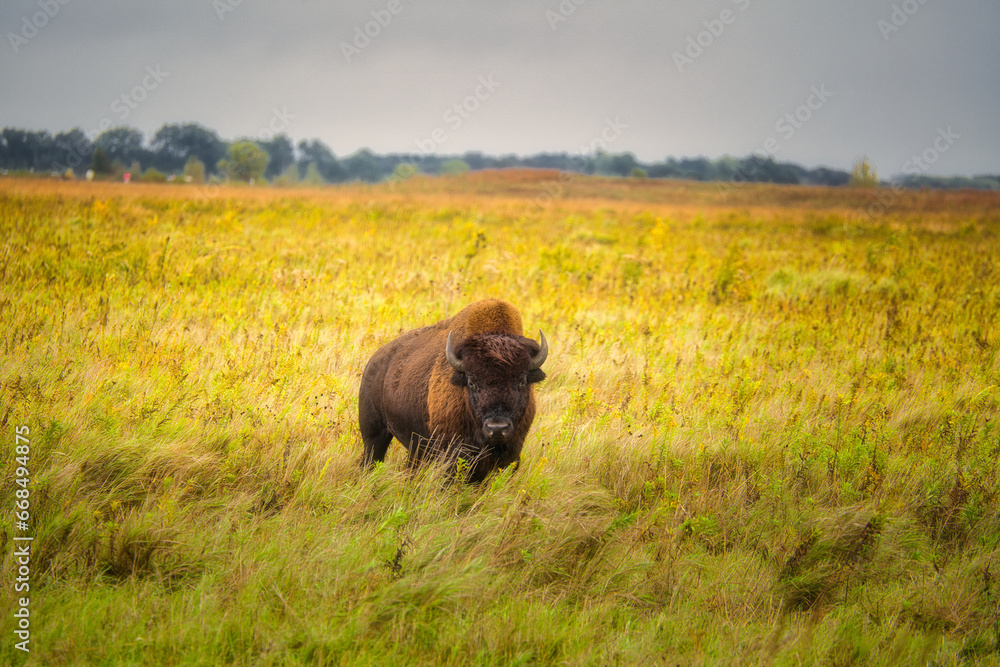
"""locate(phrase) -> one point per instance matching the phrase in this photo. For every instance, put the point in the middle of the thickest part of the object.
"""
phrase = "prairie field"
(769, 432)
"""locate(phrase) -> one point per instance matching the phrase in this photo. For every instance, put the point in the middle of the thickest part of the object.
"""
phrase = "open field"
(768, 435)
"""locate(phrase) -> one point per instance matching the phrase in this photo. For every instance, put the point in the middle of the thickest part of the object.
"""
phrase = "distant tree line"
(984, 182)
(196, 153)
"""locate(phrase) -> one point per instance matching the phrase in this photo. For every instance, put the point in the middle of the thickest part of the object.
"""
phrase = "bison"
(458, 389)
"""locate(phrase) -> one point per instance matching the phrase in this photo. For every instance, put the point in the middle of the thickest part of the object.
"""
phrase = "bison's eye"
(522, 382)
(471, 383)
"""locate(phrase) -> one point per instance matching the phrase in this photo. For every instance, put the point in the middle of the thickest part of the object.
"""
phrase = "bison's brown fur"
(479, 410)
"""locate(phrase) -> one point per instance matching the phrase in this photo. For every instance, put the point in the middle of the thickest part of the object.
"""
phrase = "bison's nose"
(498, 428)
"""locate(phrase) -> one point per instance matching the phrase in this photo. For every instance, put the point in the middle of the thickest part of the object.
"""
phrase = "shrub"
(864, 174)
(152, 175)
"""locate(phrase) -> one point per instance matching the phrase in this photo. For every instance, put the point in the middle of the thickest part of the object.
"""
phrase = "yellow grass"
(768, 433)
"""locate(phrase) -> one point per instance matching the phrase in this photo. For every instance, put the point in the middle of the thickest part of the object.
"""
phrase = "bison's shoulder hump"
(490, 316)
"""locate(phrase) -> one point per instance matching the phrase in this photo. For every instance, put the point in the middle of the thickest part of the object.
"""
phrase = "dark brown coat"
(475, 403)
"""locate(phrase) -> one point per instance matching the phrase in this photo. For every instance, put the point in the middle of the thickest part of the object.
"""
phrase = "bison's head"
(496, 371)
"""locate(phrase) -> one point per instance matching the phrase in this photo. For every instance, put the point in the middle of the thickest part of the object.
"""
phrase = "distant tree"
(101, 163)
(863, 175)
(123, 144)
(828, 177)
(312, 176)
(194, 170)
(282, 153)
(603, 164)
(174, 145)
(694, 168)
(622, 164)
(505, 161)
(454, 167)
(614, 164)
(17, 150)
(404, 170)
(30, 150)
(319, 154)
(559, 161)
(244, 161)
(475, 160)
(362, 166)
(72, 150)
(777, 172)
(666, 169)
(639, 172)
(758, 169)
(726, 168)
(980, 182)
(288, 177)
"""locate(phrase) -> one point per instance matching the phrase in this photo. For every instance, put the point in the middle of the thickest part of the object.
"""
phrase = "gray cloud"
(563, 69)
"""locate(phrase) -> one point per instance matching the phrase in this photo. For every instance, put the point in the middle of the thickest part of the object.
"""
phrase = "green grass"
(768, 434)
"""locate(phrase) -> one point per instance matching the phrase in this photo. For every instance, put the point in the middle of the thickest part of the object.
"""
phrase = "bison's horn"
(543, 351)
(455, 362)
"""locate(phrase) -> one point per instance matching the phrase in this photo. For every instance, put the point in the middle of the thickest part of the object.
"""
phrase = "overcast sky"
(818, 83)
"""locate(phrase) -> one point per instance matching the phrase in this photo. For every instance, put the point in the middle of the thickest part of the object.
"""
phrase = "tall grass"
(768, 434)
